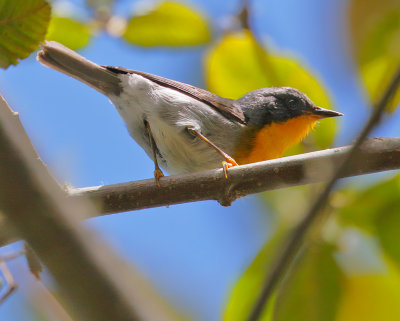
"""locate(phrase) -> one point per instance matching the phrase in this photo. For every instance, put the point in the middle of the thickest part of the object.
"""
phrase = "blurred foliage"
(69, 32)
(375, 37)
(229, 75)
(375, 209)
(23, 25)
(312, 292)
(371, 297)
(387, 228)
(168, 24)
(314, 289)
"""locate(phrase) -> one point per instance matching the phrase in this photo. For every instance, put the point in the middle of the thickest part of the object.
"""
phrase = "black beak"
(324, 113)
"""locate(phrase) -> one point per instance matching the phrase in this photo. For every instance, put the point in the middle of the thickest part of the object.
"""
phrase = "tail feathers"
(67, 61)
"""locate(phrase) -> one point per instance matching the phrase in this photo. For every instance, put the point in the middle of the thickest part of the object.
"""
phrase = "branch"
(36, 206)
(378, 154)
(296, 238)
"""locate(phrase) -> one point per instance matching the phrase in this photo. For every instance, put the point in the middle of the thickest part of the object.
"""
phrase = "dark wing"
(227, 107)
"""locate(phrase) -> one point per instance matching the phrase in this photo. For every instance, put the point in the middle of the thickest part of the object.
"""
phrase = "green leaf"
(388, 227)
(23, 25)
(169, 24)
(374, 27)
(313, 291)
(69, 32)
(237, 65)
(247, 289)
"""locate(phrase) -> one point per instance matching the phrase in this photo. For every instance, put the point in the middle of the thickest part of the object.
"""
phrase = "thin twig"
(297, 236)
(12, 256)
(9, 281)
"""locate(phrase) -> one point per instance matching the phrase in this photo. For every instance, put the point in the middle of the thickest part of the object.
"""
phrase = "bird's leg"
(157, 171)
(228, 160)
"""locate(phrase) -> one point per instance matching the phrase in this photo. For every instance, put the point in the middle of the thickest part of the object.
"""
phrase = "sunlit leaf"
(168, 24)
(247, 289)
(233, 66)
(69, 32)
(23, 25)
(371, 297)
(313, 291)
(375, 31)
(237, 64)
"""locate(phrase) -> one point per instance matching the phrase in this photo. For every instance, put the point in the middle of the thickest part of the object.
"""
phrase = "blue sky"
(192, 252)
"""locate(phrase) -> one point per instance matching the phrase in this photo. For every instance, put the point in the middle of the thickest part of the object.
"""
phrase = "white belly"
(169, 112)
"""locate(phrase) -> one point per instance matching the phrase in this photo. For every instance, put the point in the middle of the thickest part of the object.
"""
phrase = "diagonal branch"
(96, 284)
(296, 238)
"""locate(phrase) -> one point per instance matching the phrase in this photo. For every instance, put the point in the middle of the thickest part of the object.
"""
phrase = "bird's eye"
(291, 101)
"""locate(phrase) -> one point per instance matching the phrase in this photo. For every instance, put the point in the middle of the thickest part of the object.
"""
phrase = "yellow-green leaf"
(69, 32)
(168, 24)
(375, 31)
(371, 297)
(237, 64)
(23, 25)
(313, 291)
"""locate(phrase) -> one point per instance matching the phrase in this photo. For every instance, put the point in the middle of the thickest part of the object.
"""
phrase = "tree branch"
(97, 284)
(378, 154)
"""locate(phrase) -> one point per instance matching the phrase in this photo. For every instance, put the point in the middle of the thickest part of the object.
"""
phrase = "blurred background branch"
(296, 238)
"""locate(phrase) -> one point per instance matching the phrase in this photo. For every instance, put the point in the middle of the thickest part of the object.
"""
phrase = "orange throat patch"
(274, 139)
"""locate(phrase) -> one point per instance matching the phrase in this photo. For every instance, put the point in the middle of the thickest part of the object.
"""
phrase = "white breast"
(169, 112)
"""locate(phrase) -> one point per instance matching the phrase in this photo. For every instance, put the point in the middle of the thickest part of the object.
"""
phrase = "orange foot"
(228, 163)
(157, 175)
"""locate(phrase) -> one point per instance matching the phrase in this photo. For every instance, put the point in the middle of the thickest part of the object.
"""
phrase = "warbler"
(185, 129)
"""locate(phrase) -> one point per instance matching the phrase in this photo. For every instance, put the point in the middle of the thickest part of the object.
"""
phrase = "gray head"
(279, 104)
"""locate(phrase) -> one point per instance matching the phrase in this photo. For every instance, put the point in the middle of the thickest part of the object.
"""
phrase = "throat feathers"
(274, 139)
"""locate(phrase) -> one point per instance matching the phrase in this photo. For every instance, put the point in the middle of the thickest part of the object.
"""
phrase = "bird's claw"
(157, 175)
(228, 163)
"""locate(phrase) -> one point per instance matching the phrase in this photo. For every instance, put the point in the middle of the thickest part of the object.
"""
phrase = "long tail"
(63, 59)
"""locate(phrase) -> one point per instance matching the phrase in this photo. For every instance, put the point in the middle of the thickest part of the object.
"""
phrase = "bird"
(186, 129)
